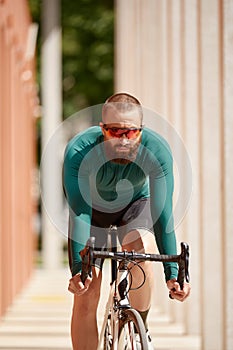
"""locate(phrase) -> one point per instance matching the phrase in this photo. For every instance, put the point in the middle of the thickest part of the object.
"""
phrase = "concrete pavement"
(40, 318)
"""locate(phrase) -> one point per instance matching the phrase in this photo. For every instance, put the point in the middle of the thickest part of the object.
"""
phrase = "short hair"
(123, 102)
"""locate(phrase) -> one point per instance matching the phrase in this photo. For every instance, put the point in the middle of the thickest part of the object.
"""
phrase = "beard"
(122, 153)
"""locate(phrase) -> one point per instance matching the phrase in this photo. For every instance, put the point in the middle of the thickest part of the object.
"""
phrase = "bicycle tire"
(131, 321)
(108, 335)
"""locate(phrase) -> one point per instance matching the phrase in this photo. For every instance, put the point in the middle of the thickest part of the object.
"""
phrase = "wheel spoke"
(132, 331)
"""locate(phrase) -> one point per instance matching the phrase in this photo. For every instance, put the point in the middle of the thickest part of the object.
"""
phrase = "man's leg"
(141, 241)
(84, 332)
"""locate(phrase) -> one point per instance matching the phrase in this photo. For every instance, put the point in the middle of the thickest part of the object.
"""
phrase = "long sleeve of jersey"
(79, 208)
(161, 189)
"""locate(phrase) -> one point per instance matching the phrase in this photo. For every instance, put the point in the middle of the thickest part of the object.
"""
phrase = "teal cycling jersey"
(91, 180)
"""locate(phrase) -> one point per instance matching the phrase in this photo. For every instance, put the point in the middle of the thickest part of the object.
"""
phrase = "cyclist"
(118, 173)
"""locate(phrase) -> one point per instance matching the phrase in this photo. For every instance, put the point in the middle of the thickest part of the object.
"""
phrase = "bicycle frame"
(118, 299)
(114, 303)
(114, 309)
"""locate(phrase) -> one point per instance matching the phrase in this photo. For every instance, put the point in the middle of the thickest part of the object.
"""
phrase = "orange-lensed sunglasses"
(130, 133)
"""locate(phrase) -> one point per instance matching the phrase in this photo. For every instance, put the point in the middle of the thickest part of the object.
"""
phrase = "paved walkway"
(40, 318)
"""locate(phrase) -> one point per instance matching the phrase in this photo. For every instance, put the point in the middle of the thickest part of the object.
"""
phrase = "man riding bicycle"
(118, 173)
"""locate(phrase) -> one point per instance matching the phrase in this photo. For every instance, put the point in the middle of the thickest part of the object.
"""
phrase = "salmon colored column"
(17, 150)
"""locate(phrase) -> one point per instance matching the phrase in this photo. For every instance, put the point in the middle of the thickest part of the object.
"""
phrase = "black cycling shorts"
(134, 216)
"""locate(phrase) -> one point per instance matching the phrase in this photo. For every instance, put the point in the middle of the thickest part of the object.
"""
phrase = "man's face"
(122, 135)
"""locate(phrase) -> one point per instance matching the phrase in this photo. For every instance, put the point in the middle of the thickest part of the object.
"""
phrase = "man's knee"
(140, 240)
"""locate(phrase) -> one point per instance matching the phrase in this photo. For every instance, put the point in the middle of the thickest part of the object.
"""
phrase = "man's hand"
(176, 292)
(77, 287)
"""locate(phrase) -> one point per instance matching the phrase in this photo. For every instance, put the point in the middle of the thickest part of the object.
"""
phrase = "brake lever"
(186, 260)
(183, 262)
(87, 259)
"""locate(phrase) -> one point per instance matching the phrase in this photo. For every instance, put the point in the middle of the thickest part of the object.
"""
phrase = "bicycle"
(123, 328)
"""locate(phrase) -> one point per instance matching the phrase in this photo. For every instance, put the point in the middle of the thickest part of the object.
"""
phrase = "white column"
(154, 55)
(192, 140)
(51, 101)
(211, 164)
(128, 47)
(228, 170)
(176, 118)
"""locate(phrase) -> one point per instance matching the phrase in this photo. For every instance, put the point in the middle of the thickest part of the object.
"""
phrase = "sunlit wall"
(177, 58)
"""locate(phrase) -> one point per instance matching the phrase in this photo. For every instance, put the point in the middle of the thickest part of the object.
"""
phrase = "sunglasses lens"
(133, 133)
(118, 132)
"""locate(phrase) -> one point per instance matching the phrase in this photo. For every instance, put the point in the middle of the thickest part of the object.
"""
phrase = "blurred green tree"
(87, 51)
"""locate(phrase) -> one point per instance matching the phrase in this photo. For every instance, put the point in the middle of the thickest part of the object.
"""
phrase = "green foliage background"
(87, 51)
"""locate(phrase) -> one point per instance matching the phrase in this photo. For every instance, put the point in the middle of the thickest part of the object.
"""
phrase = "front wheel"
(108, 334)
(132, 333)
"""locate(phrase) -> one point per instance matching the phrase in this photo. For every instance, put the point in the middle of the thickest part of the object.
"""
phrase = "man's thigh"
(134, 221)
(137, 223)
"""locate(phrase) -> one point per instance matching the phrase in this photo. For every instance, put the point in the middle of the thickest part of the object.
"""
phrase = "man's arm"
(161, 190)
(79, 208)
(161, 187)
